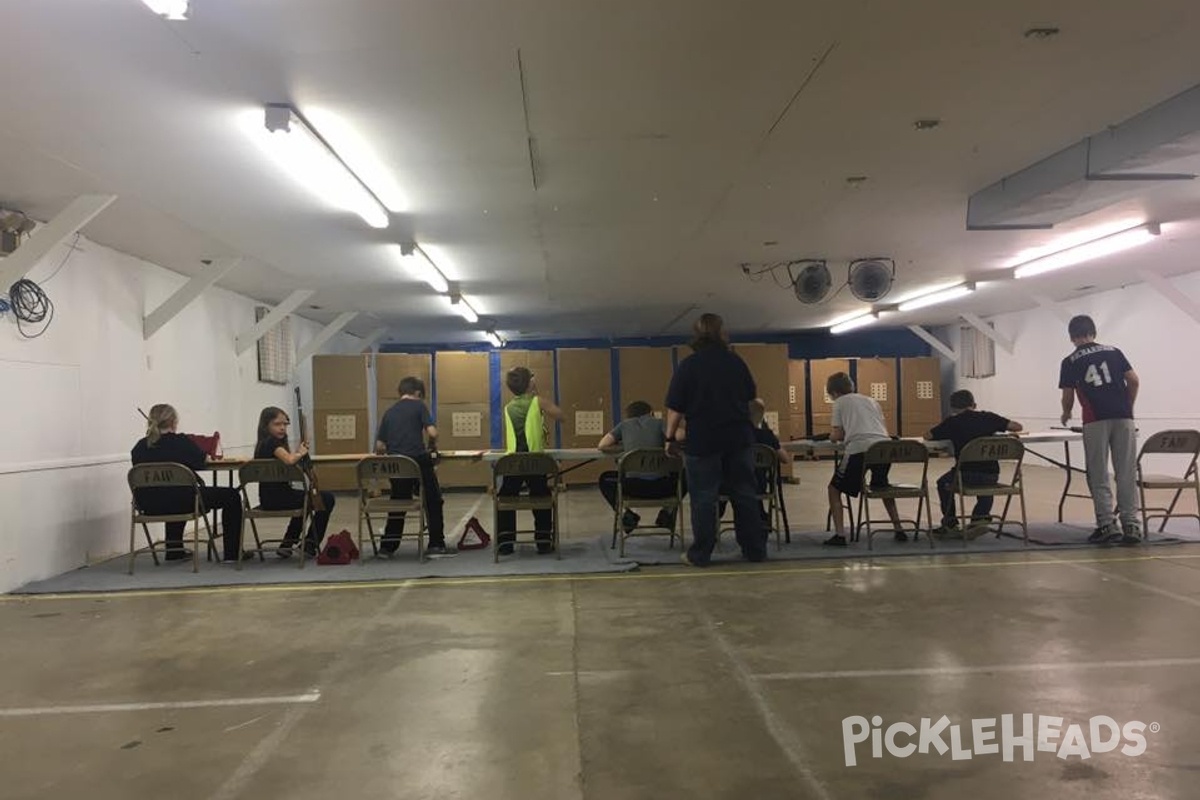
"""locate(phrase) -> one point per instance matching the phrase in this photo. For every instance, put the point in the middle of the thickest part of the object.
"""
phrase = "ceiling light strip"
(1088, 251)
(312, 162)
(463, 308)
(940, 296)
(854, 323)
(174, 10)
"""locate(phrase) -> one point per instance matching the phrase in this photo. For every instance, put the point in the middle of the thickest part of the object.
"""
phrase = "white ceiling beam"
(372, 339)
(1051, 306)
(66, 223)
(328, 332)
(1172, 293)
(987, 330)
(249, 338)
(187, 294)
(934, 342)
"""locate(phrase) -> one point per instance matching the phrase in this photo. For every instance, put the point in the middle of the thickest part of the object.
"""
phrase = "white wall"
(1157, 337)
(69, 401)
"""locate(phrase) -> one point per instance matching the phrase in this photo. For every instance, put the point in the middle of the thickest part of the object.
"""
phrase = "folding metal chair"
(165, 475)
(765, 460)
(1173, 443)
(387, 468)
(1006, 450)
(272, 470)
(525, 465)
(649, 463)
(885, 453)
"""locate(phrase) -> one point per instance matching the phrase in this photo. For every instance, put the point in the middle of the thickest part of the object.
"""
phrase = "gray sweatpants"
(1118, 436)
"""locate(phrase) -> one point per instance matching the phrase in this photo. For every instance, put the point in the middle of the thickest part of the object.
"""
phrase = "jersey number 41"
(1098, 376)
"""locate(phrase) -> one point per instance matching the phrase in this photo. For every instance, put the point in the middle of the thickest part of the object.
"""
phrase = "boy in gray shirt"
(639, 430)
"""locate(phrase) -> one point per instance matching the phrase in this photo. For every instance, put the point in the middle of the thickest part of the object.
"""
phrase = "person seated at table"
(273, 443)
(403, 431)
(162, 443)
(639, 430)
(965, 424)
(858, 423)
(762, 435)
(525, 432)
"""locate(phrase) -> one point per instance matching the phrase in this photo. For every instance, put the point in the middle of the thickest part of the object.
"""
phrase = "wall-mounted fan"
(871, 279)
(813, 282)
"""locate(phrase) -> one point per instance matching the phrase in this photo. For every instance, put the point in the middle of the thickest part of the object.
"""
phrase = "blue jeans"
(706, 475)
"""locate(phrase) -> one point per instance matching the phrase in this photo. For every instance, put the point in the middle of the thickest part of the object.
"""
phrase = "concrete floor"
(667, 683)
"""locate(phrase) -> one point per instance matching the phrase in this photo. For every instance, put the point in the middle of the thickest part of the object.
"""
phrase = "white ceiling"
(672, 139)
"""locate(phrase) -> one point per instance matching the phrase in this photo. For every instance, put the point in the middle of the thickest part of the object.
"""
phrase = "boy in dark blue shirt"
(965, 424)
(403, 432)
(1107, 388)
(764, 435)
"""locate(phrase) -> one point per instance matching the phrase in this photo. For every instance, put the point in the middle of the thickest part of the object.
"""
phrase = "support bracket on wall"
(1172, 293)
(249, 338)
(185, 295)
(328, 332)
(66, 223)
(934, 342)
(1051, 306)
(987, 330)
(372, 339)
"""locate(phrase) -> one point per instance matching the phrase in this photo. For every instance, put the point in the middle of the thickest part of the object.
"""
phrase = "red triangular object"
(474, 537)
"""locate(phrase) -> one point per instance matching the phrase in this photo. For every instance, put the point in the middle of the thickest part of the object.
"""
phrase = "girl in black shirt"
(273, 443)
(162, 444)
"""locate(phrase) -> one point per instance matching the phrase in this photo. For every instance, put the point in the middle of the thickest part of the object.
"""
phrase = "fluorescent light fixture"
(310, 161)
(938, 296)
(860, 321)
(1097, 248)
(925, 290)
(169, 9)
(495, 340)
(1069, 239)
(421, 266)
(848, 317)
(445, 261)
(359, 156)
(463, 308)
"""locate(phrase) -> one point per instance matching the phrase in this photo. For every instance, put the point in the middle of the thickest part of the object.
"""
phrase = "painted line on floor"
(45, 711)
(235, 785)
(1147, 587)
(985, 669)
(784, 735)
(770, 570)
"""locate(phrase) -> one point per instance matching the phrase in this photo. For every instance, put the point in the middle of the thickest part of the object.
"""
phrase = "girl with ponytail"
(164, 444)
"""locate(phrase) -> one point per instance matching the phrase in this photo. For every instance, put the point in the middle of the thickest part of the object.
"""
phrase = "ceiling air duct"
(1161, 144)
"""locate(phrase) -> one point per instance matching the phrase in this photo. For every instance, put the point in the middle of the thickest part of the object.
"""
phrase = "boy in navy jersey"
(1107, 387)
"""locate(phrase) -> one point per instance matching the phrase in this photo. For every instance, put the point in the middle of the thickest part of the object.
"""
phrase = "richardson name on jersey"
(1090, 350)
(1006, 736)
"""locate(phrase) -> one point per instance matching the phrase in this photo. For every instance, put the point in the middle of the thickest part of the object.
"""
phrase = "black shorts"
(848, 479)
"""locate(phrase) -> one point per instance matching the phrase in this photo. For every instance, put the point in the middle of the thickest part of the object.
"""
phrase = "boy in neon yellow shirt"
(525, 432)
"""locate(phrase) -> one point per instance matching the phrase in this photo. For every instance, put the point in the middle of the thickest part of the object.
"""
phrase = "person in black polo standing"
(710, 393)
